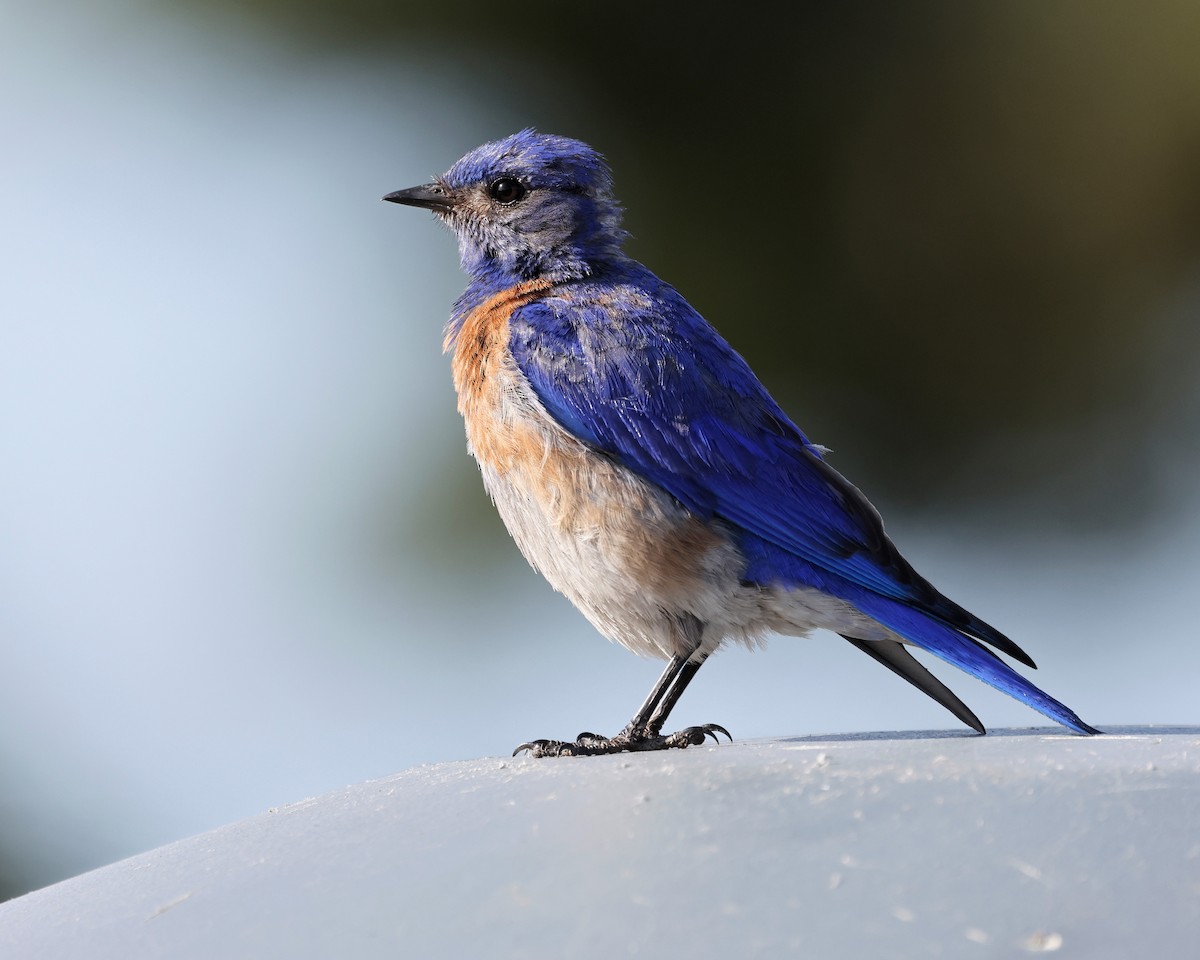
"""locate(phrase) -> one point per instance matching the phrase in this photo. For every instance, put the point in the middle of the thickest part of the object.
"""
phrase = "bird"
(645, 471)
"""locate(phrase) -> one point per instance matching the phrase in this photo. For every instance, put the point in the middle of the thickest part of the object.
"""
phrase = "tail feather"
(966, 654)
(893, 656)
(917, 592)
(955, 617)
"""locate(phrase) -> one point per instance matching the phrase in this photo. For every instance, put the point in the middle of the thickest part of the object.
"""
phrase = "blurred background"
(244, 557)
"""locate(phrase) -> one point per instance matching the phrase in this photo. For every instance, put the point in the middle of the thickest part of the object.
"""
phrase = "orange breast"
(483, 371)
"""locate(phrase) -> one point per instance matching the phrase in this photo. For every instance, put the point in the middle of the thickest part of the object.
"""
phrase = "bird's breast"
(528, 460)
(484, 379)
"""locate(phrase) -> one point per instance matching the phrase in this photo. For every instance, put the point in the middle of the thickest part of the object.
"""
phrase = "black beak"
(432, 196)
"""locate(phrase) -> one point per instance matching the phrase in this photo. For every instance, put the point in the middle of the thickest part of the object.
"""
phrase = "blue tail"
(966, 654)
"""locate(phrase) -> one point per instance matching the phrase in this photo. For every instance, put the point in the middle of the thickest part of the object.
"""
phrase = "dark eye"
(506, 190)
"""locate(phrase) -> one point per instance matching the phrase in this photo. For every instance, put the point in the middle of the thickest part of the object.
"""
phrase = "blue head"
(526, 207)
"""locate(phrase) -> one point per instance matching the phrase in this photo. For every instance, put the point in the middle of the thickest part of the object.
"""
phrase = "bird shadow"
(1145, 730)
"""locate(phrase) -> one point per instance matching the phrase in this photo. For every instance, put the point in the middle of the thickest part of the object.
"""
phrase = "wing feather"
(653, 386)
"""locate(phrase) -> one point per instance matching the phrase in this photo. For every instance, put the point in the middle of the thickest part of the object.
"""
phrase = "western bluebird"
(643, 469)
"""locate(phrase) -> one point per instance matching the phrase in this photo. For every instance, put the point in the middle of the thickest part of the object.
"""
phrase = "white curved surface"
(913, 845)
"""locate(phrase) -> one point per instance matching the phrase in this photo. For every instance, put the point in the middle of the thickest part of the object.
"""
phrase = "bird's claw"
(694, 736)
(591, 744)
(712, 729)
(543, 748)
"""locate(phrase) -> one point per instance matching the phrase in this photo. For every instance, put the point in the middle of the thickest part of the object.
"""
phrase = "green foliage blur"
(947, 236)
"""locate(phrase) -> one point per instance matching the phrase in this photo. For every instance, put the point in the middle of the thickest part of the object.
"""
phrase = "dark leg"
(644, 731)
(671, 697)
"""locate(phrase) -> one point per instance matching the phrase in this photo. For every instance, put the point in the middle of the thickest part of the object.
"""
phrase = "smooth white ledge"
(883, 845)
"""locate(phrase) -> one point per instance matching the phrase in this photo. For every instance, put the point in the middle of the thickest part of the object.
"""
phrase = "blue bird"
(644, 470)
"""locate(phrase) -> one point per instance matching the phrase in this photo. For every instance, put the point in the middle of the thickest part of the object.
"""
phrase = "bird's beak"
(432, 196)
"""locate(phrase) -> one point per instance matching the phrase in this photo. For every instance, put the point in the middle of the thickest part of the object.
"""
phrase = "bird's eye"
(506, 190)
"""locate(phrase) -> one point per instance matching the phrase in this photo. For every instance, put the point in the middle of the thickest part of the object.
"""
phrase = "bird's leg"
(644, 731)
(651, 715)
(671, 697)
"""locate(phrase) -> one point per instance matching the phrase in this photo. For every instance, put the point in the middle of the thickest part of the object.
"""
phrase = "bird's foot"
(592, 744)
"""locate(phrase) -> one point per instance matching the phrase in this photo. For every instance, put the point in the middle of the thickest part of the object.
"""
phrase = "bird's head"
(526, 207)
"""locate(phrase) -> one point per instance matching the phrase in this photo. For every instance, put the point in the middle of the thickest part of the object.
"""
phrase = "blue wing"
(673, 402)
(648, 382)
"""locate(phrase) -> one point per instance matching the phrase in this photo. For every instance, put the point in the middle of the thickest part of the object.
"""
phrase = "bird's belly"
(633, 560)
